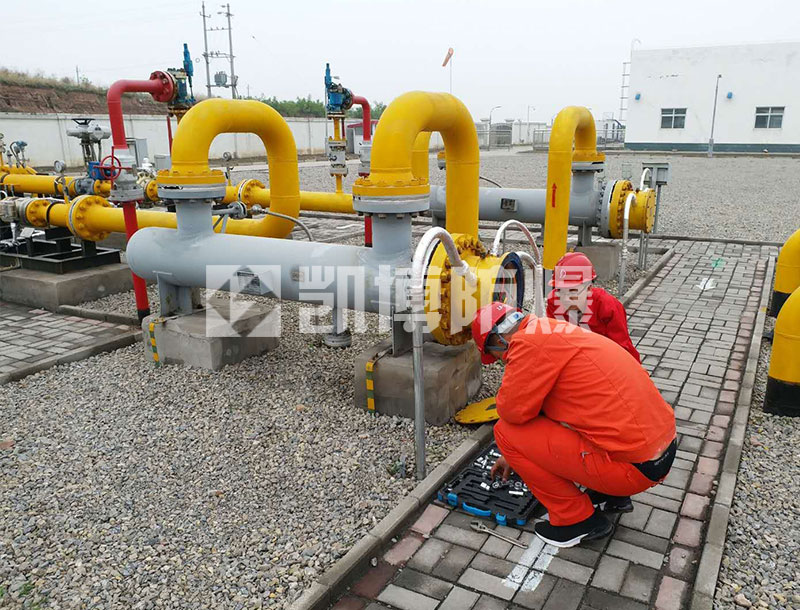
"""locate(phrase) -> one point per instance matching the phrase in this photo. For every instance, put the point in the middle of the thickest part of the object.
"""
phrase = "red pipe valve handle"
(112, 170)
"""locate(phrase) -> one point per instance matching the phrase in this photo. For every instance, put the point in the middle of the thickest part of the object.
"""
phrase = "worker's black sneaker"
(565, 536)
(610, 504)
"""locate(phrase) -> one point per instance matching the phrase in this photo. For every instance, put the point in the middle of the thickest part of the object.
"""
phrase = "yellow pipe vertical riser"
(420, 165)
(574, 126)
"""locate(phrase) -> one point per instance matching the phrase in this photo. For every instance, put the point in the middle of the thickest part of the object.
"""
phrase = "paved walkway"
(28, 336)
(692, 325)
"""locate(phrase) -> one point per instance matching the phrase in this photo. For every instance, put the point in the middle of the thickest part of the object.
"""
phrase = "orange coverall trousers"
(551, 458)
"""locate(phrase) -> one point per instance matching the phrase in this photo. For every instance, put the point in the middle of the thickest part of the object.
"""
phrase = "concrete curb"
(108, 345)
(705, 583)
(93, 314)
(336, 578)
(639, 285)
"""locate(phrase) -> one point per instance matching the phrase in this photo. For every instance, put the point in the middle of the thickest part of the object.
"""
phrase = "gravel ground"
(705, 197)
(760, 562)
(122, 485)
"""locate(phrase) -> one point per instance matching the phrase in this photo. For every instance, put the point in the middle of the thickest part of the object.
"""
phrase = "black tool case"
(473, 491)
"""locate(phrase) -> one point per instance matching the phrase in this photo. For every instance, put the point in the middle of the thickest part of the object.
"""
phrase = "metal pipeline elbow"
(392, 178)
(572, 139)
(192, 178)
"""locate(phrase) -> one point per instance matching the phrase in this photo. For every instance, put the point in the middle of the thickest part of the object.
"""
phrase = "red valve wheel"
(113, 169)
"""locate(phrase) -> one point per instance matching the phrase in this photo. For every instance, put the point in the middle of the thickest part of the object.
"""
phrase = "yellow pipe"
(94, 217)
(391, 172)
(337, 135)
(574, 125)
(16, 169)
(209, 118)
(787, 273)
(420, 165)
(42, 184)
(253, 192)
(783, 383)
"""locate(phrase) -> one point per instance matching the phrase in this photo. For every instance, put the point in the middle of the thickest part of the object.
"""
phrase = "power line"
(209, 55)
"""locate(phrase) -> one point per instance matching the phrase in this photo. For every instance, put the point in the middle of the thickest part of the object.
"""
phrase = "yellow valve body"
(642, 212)
(450, 303)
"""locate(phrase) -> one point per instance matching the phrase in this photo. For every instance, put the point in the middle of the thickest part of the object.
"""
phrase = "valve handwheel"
(112, 170)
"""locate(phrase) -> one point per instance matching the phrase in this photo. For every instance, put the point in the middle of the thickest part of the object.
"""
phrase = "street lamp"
(489, 141)
(713, 118)
(529, 122)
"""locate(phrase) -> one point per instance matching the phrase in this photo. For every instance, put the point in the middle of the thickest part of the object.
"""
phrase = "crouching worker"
(574, 299)
(575, 409)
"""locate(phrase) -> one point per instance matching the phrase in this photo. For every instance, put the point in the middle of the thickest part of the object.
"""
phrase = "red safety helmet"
(485, 322)
(573, 269)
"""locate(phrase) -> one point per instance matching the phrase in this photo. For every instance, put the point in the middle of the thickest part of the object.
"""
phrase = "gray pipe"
(351, 277)
(528, 205)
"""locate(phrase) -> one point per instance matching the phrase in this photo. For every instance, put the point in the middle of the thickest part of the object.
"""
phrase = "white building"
(671, 98)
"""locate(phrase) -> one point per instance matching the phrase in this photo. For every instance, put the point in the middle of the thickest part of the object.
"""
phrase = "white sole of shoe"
(566, 544)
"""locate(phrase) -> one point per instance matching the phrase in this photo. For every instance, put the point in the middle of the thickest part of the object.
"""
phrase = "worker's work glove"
(501, 469)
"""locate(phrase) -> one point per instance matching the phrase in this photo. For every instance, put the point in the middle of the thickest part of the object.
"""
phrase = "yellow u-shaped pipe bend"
(787, 273)
(572, 139)
(391, 173)
(212, 117)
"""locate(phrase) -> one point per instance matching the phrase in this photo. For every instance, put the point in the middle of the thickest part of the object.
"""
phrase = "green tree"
(301, 107)
(376, 110)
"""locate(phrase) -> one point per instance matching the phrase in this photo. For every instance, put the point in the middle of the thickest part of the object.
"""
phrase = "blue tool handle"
(476, 511)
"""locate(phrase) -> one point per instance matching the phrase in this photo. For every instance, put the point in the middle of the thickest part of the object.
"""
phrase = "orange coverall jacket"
(588, 382)
(605, 316)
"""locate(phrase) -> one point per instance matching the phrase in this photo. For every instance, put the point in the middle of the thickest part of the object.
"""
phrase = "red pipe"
(169, 133)
(366, 122)
(366, 119)
(162, 87)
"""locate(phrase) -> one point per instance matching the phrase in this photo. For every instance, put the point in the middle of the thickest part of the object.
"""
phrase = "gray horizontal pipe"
(530, 203)
(349, 277)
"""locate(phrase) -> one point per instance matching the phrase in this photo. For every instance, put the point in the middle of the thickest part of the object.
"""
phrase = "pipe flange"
(77, 217)
(246, 188)
(208, 184)
(169, 91)
(151, 191)
(613, 208)
(409, 204)
(32, 211)
(443, 332)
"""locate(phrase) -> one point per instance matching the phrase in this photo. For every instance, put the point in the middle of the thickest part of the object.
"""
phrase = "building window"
(673, 118)
(769, 117)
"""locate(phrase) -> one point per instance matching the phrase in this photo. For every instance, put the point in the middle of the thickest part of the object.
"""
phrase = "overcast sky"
(507, 52)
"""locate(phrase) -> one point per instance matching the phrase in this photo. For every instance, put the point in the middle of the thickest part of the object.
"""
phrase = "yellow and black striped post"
(783, 385)
(787, 273)
(153, 347)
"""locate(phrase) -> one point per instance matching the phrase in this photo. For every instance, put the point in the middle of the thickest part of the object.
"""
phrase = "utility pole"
(205, 53)
(220, 54)
(713, 118)
(227, 13)
(77, 77)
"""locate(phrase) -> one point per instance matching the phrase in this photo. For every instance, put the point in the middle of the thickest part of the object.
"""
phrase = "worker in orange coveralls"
(574, 409)
(575, 300)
